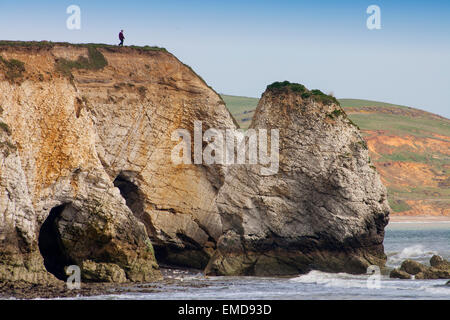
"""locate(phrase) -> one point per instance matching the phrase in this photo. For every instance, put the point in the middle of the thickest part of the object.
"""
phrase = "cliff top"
(49, 45)
(314, 94)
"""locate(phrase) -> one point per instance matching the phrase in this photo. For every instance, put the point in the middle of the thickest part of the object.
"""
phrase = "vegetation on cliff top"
(14, 68)
(315, 94)
(49, 45)
(95, 61)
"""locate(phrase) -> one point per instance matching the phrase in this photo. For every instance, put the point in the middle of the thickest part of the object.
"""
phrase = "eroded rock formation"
(86, 175)
(325, 209)
(439, 268)
(85, 171)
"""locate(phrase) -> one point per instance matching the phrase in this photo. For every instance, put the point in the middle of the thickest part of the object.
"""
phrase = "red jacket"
(121, 37)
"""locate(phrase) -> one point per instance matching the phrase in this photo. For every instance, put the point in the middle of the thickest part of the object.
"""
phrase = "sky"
(239, 47)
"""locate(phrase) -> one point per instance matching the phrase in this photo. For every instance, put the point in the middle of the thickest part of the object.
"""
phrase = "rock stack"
(324, 209)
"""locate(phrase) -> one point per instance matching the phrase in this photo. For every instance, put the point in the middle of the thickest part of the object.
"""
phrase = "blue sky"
(239, 47)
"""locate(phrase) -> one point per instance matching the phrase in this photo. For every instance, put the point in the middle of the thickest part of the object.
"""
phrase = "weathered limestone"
(86, 176)
(325, 209)
(85, 171)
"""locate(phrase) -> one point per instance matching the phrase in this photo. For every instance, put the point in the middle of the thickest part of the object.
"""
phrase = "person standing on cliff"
(121, 38)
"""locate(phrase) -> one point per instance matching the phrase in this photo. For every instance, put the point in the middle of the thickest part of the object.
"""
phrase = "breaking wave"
(416, 252)
(342, 280)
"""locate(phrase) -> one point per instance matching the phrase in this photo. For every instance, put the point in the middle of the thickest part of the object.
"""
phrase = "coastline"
(419, 219)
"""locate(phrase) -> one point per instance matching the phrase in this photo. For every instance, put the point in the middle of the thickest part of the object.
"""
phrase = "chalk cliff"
(85, 170)
(86, 176)
(325, 209)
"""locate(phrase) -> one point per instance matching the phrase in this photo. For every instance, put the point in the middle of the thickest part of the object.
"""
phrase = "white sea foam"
(414, 252)
(342, 280)
(401, 244)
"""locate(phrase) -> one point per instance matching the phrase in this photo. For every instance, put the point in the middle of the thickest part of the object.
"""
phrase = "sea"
(403, 240)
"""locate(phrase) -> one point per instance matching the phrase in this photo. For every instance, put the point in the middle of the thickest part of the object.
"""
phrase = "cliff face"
(85, 175)
(325, 209)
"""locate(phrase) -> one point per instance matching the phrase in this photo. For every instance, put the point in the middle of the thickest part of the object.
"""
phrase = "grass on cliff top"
(14, 68)
(95, 61)
(49, 45)
(314, 94)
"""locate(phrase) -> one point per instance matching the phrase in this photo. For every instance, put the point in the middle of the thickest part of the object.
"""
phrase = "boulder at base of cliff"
(318, 204)
(399, 274)
(412, 267)
(102, 272)
(439, 263)
(439, 269)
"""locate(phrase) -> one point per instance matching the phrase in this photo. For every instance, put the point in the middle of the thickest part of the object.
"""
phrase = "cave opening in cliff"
(134, 200)
(50, 244)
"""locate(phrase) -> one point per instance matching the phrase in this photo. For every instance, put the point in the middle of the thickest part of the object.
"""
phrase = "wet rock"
(433, 273)
(399, 274)
(439, 269)
(102, 272)
(439, 263)
(413, 267)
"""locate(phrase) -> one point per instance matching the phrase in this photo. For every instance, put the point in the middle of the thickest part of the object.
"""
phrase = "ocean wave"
(414, 252)
(342, 280)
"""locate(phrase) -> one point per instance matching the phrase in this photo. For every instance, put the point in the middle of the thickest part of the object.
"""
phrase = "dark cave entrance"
(134, 200)
(50, 244)
(167, 255)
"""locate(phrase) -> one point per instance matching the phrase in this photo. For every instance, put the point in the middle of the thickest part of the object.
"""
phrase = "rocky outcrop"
(439, 263)
(438, 269)
(412, 267)
(86, 177)
(399, 274)
(85, 170)
(324, 209)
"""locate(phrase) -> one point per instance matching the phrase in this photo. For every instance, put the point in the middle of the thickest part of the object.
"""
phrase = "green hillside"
(242, 108)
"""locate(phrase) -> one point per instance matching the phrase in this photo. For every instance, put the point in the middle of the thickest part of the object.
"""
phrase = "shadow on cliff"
(50, 244)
